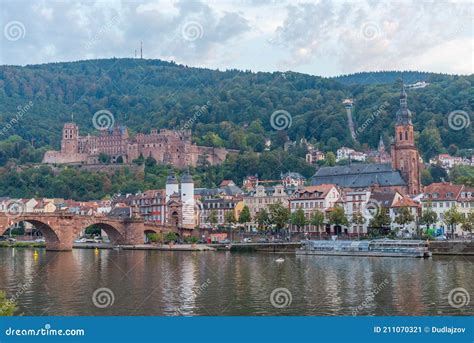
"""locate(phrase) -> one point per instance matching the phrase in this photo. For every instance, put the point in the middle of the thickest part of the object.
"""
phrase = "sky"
(324, 38)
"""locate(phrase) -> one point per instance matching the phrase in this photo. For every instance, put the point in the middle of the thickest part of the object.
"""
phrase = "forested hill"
(238, 104)
(384, 77)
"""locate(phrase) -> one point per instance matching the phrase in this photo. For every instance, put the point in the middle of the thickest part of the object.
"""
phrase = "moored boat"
(376, 247)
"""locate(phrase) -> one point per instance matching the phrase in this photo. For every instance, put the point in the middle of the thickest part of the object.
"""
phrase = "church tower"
(405, 156)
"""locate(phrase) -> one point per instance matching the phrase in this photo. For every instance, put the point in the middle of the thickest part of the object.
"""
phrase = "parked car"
(247, 240)
(224, 241)
(40, 240)
(263, 240)
(11, 239)
(440, 238)
(3, 238)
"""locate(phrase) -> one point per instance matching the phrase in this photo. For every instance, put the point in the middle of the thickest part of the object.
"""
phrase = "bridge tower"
(187, 200)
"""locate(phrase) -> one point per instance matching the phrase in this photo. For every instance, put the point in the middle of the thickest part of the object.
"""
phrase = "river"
(126, 282)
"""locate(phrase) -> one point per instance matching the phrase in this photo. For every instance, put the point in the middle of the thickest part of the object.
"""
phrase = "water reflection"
(167, 283)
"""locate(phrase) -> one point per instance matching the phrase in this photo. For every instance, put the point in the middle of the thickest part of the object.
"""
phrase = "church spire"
(403, 114)
(381, 145)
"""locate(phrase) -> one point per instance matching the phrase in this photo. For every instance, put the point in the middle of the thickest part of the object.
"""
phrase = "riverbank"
(436, 247)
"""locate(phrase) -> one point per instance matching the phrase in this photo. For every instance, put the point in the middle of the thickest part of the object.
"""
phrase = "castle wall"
(165, 146)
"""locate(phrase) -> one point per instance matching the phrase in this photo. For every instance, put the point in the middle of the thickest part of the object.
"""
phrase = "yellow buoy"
(96, 251)
(35, 255)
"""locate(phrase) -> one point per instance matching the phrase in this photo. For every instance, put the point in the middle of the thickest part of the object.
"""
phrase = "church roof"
(359, 175)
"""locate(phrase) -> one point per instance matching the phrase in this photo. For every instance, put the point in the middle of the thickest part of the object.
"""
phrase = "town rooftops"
(441, 191)
(319, 191)
(385, 199)
(359, 175)
(406, 202)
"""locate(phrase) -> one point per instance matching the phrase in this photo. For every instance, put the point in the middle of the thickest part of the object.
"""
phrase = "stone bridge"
(60, 229)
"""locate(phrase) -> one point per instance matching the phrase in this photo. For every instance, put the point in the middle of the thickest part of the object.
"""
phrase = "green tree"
(230, 217)
(337, 217)
(170, 237)
(150, 162)
(426, 178)
(462, 175)
(298, 218)
(428, 217)
(140, 160)
(7, 307)
(404, 216)
(104, 158)
(468, 222)
(279, 215)
(317, 218)
(245, 216)
(213, 218)
(380, 219)
(452, 217)
(330, 159)
(358, 218)
(263, 219)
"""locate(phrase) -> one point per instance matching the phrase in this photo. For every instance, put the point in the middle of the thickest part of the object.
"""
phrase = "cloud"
(372, 35)
(94, 29)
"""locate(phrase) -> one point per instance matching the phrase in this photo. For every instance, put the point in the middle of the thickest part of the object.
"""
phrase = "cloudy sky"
(316, 37)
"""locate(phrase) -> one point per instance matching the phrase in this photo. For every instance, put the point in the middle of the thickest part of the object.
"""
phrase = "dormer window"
(435, 195)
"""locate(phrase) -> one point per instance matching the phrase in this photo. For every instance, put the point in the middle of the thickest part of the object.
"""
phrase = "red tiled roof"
(443, 191)
(406, 202)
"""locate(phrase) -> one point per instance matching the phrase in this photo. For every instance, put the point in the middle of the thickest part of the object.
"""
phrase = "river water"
(223, 283)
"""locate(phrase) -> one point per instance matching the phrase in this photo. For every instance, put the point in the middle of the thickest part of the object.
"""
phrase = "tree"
(298, 218)
(358, 219)
(263, 219)
(230, 217)
(7, 307)
(245, 216)
(279, 215)
(330, 159)
(155, 237)
(104, 158)
(462, 175)
(170, 237)
(150, 162)
(317, 218)
(404, 216)
(452, 217)
(428, 217)
(213, 218)
(337, 217)
(380, 220)
(468, 222)
(140, 160)
(426, 178)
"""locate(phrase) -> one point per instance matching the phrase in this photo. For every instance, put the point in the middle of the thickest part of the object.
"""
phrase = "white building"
(345, 153)
(442, 196)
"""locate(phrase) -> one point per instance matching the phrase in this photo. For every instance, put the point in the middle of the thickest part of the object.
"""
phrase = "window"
(401, 137)
(406, 135)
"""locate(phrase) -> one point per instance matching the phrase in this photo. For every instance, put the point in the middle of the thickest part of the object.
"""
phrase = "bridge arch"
(114, 234)
(49, 234)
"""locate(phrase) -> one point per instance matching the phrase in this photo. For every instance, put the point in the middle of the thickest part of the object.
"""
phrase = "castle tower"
(187, 200)
(70, 140)
(405, 156)
(171, 185)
